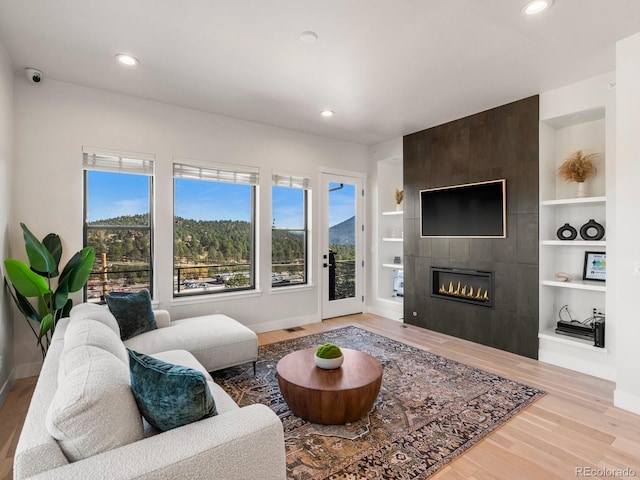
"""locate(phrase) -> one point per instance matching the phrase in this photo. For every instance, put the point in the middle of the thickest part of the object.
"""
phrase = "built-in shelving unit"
(392, 225)
(576, 284)
(560, 135)
(389, 239)
(574, 243)
(581, 343)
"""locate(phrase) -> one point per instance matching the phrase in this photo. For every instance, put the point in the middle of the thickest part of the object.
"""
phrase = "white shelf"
(393, 265)
(550, 334)
(394, 212)
(575, 243)
(390, 239)
(574, 201)
(576, 284)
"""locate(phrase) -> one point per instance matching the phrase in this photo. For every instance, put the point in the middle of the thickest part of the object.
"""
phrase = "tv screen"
(476, 210)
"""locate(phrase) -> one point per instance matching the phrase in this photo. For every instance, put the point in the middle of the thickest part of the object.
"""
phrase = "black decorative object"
(567, 232)
(590, 226)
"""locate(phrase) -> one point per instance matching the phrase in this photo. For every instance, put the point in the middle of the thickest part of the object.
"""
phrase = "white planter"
(328, 363)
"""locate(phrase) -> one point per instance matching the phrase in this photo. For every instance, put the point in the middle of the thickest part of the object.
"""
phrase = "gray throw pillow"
(134, 313)
(168, 395)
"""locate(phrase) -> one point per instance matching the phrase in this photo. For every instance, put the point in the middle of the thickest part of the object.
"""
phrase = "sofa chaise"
(83, 420)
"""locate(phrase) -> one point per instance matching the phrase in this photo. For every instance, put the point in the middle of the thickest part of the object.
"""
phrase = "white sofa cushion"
(94, 334)
(93, 409)
(99, 313)
(217, 341)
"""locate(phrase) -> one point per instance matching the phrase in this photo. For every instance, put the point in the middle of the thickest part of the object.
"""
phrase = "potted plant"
(328, 356)
(578, 167)
(43, 282)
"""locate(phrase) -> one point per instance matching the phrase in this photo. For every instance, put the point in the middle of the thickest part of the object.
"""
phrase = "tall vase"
(581, 192)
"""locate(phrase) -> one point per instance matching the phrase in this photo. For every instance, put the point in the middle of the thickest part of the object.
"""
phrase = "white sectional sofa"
(101, 434)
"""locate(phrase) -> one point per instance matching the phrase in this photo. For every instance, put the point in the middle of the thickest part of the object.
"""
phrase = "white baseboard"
(390, 313)
(28, 370)
(6, 388)
(285, 323)
(626, 401)
(579, 365)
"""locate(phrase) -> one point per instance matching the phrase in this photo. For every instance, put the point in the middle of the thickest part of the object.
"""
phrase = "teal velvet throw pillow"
(168, 395)
(134, 313)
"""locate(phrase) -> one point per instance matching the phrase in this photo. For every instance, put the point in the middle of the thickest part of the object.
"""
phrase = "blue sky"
(198, 200)
(115, 194)
(341, 203)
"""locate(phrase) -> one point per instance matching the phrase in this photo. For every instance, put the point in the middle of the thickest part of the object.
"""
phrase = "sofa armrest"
(163, 319)
(238, 445)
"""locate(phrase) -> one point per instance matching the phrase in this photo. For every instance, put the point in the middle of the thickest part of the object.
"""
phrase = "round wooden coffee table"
(329, 397)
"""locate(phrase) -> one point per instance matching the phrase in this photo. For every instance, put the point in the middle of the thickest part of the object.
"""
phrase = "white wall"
(6, 154)
(55, 119)
(627, 243)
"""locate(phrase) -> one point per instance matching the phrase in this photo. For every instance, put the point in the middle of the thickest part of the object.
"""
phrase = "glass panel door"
(342, 250)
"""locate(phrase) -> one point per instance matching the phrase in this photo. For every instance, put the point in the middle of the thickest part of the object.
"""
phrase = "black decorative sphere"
(567, 232)
(592, 230)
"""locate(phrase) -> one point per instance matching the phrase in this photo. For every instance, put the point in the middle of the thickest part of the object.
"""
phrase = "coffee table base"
(330, 397)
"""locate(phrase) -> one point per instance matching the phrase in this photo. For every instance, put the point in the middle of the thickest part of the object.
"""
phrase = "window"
(118, 199)
(289, 238)
(214, 229)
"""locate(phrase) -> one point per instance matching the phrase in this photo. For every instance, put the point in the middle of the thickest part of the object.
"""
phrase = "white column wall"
(627, 239)
(6, 155)
(55, 119)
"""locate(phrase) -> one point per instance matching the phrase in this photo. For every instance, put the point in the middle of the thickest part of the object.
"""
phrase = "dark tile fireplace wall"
(498, 143)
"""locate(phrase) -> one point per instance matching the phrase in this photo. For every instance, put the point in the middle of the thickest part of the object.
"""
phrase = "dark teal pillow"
(169, 396)
(134, 313)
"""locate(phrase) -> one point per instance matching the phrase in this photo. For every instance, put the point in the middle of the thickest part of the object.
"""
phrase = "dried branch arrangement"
(578, 166)
(399, 196)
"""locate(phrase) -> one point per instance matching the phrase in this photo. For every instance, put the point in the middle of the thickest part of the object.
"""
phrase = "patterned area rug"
(429, 410)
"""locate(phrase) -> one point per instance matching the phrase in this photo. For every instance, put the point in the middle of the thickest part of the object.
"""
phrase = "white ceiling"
(387, 67)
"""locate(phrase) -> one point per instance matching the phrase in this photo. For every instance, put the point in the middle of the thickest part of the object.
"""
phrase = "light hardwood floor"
(574, 431)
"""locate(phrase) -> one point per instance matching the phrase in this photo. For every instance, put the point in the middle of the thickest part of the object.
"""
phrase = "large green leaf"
(53, 243)
(23, 304)
(62, 294)
(79, 274)
(45, 325)
(27, 282)
(66, 310)
(40, 258)
(44, 304)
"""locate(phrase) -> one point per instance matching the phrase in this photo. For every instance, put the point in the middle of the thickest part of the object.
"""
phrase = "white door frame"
(355, 304)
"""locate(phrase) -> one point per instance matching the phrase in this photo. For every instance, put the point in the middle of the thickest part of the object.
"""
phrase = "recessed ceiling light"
(536, 6)
(127, 59)
(327, 113)
(308, 36)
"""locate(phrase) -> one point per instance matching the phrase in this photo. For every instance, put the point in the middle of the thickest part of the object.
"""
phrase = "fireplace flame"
(465, 291)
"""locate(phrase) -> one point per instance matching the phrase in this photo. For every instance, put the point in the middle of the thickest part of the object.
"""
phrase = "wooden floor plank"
(575, 425)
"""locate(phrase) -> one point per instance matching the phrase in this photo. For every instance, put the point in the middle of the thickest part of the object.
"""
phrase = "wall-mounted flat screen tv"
(472, 210)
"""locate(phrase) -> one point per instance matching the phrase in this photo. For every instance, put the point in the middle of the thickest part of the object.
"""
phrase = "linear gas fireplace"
(461, 285)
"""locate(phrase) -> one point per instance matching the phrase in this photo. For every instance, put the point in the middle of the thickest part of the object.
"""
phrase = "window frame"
(218, 173)
(147, 169)
(303, 183)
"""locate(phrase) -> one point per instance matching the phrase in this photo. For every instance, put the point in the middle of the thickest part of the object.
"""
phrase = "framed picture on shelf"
(595, 266)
